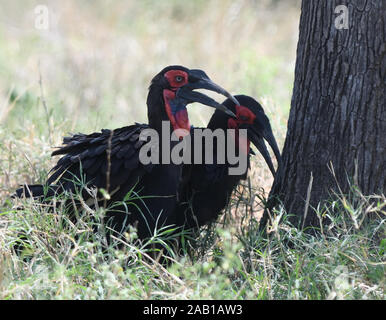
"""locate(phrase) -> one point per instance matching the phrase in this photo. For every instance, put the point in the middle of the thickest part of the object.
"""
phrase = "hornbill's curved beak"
(257, 132)
(199, 80)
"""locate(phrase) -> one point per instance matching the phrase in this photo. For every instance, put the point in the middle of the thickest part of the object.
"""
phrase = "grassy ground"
(95, 62)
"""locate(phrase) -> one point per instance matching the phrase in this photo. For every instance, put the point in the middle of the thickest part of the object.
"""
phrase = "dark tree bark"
(338, 107)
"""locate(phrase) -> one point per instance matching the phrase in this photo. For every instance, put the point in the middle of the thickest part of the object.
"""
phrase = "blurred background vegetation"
(97, 58)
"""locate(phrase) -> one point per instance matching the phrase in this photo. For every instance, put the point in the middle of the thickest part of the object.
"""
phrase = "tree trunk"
(338, 107)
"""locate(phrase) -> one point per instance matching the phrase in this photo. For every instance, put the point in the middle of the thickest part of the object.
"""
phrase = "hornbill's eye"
(179, 78)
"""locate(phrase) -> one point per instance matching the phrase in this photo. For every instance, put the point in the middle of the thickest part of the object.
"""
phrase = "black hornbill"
(208, 187)
(110, 159)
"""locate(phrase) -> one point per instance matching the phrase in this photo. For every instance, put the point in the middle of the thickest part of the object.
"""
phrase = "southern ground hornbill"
(208, 187)
(110, 159)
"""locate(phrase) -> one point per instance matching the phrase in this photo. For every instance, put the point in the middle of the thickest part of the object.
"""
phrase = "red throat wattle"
(180, 119)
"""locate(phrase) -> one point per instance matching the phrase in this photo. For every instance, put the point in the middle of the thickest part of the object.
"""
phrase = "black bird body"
(110, 160)
(143, 195)
(209, 187)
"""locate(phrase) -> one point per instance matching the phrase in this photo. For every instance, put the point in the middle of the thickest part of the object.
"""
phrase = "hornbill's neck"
(220, 120)
(156, 111)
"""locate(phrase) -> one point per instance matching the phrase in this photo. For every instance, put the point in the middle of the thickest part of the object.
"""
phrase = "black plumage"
(208, 187)
(110, 159)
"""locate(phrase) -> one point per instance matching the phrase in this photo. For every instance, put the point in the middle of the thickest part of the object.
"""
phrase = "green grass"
(228, 260)
(95, 64)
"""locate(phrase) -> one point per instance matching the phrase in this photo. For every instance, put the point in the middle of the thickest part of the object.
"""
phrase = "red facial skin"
(179, 120)
(171, 76)
(243, 116)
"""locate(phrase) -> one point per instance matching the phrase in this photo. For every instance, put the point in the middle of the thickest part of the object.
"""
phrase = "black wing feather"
(88, 155)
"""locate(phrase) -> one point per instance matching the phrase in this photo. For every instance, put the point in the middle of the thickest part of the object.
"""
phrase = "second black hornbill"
(209, 186)
(109, 159)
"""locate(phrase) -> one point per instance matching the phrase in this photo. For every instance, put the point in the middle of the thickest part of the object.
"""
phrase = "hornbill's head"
(173, 89)
(249, 115)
